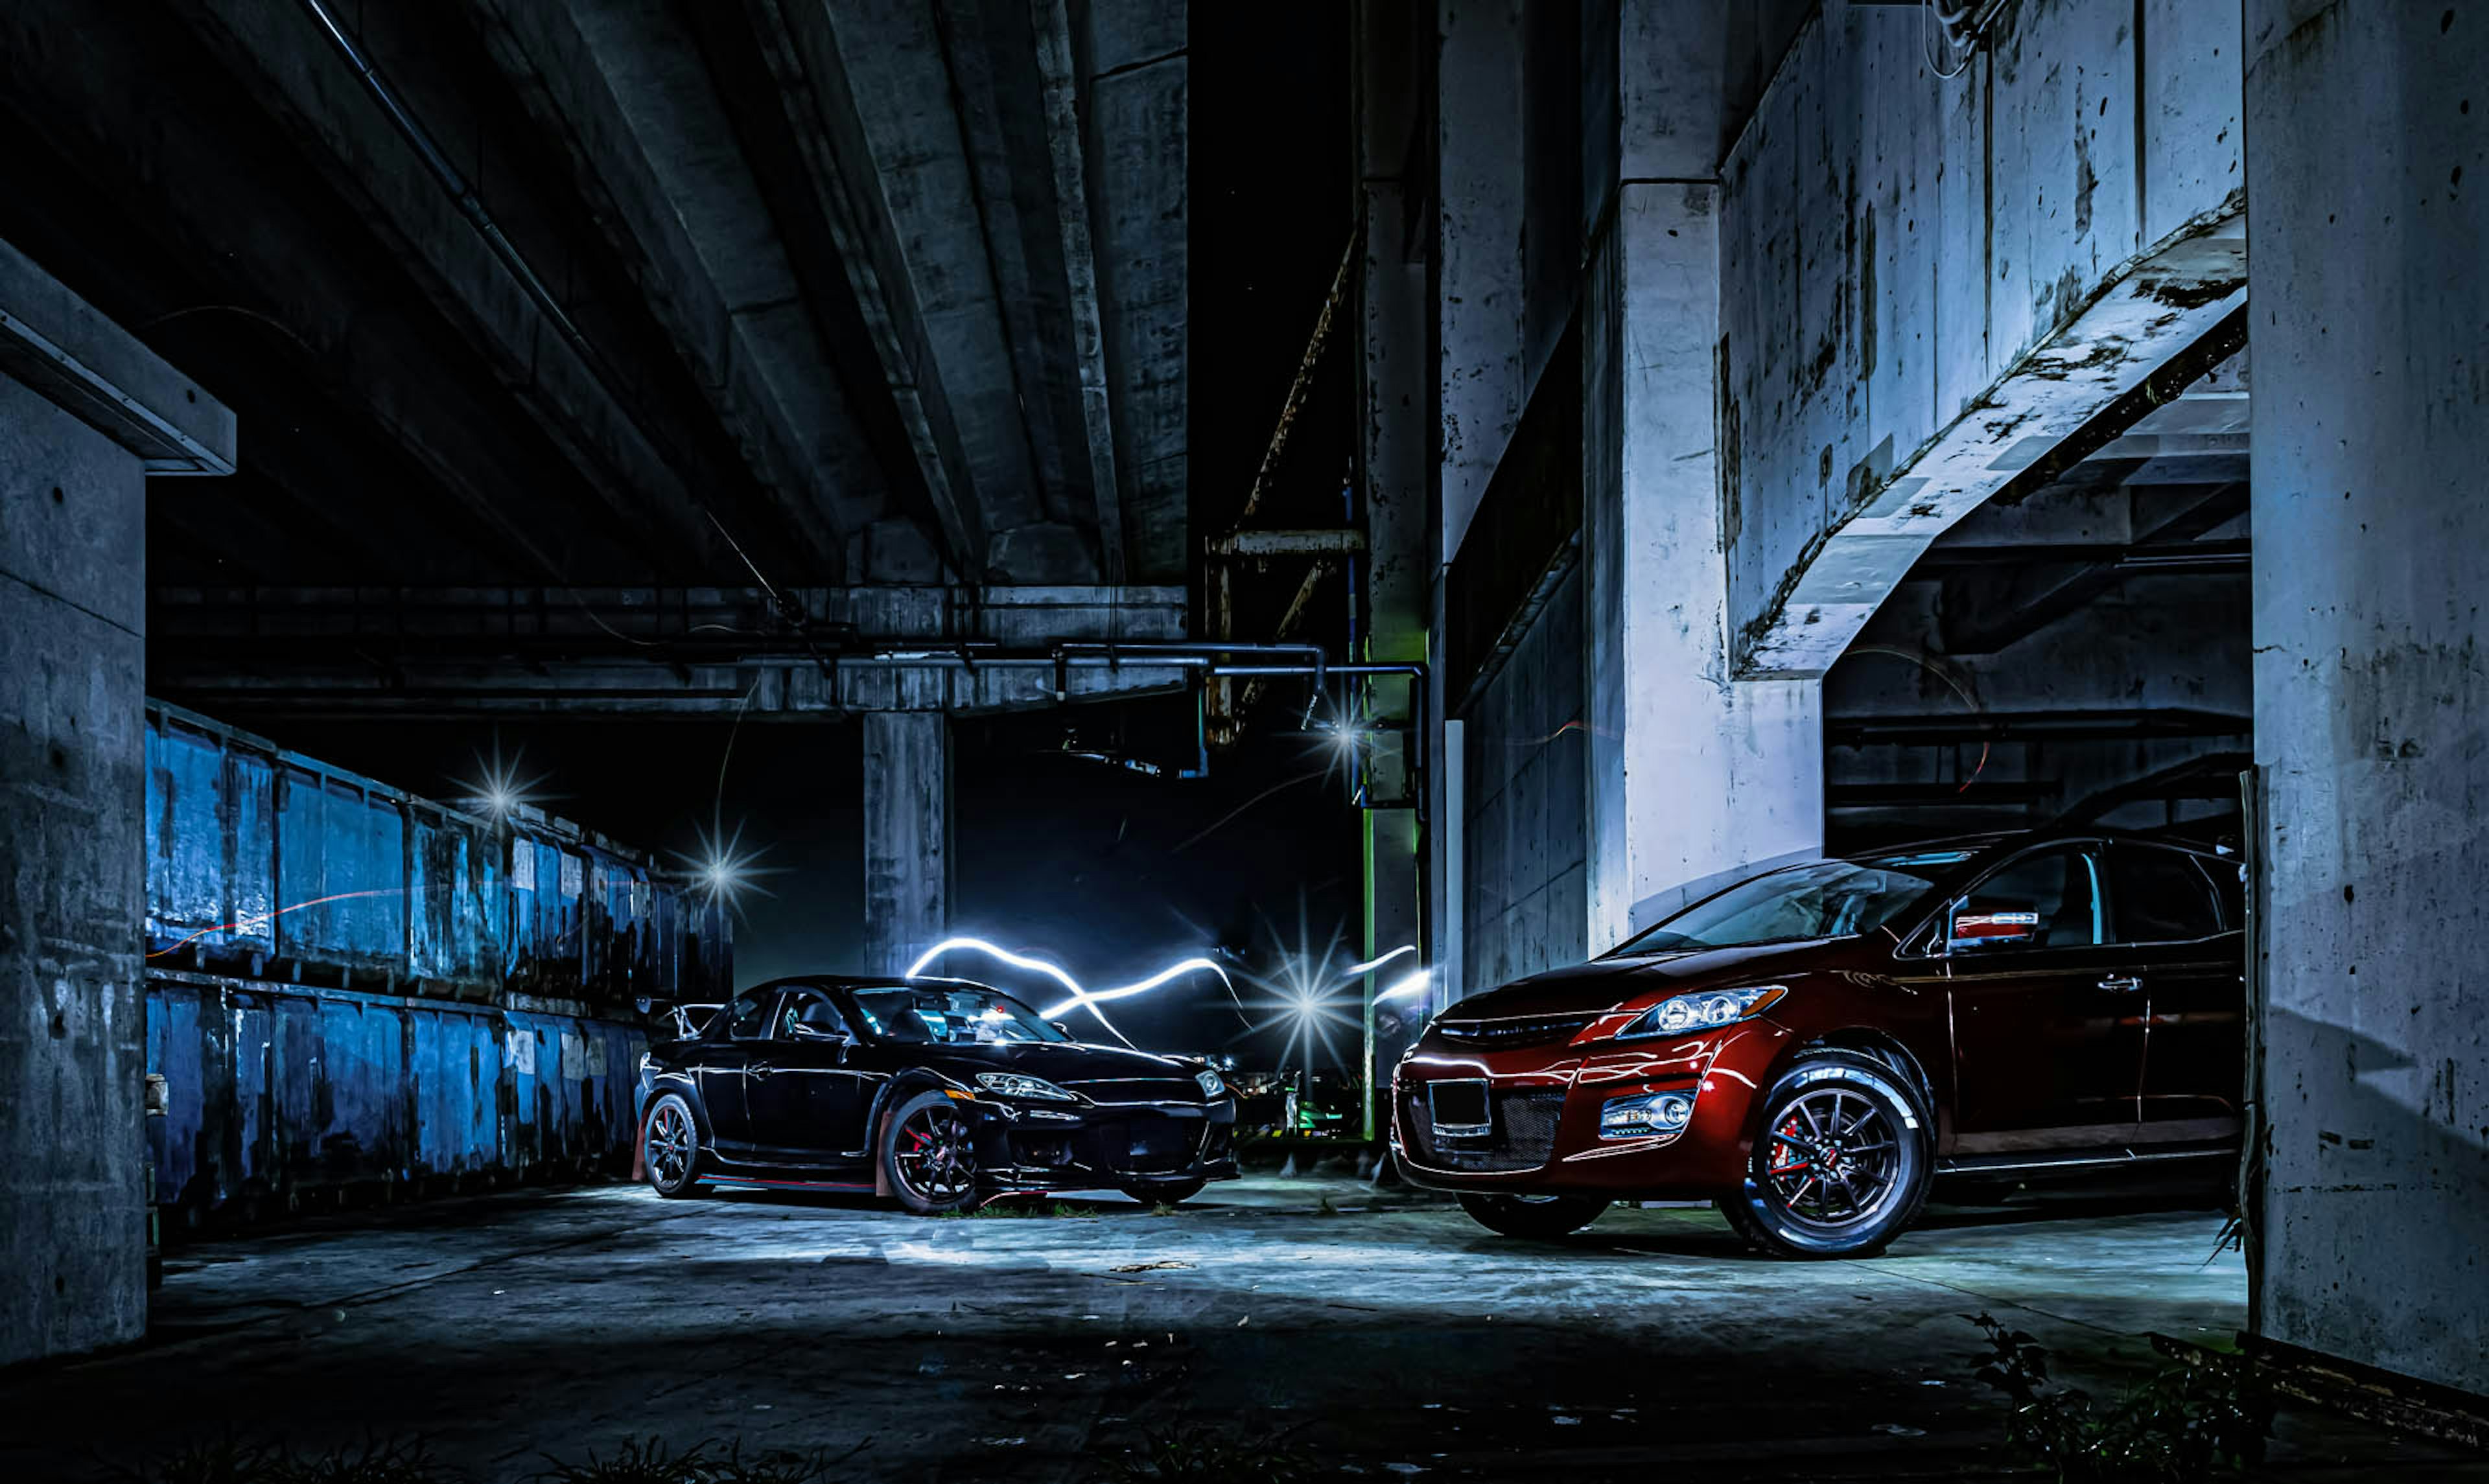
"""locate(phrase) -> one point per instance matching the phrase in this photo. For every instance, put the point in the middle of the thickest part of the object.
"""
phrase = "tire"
(927, 1154)
(1861, 1119)
(1174, 1192)
(1538, 1216)
(670, 1148)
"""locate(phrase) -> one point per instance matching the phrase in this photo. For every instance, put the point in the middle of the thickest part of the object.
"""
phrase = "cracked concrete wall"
(906, 836)
(1524, 876)
(1894, 241)
(72, 883)
(2370, 432)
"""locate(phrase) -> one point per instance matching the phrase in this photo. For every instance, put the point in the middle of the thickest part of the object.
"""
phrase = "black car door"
(2046, 1017)
(723, 1069)
(2191, 960)
(809, 1104)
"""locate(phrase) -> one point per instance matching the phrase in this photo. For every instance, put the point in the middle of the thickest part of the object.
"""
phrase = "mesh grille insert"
(1523, 1136)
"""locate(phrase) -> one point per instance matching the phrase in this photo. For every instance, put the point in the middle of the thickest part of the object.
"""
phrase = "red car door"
(2189, 949)
(2046, 1015)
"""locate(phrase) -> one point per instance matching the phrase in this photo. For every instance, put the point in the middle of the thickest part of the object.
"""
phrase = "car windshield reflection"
(951, 1017)
(1798, 903)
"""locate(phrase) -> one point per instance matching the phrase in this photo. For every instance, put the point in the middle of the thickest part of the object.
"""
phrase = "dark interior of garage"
(802, 740)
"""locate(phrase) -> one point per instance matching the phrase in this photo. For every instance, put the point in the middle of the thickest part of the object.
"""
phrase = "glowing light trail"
(262, 919)
(1081, 998)
(1370, 964)
(1408, 989)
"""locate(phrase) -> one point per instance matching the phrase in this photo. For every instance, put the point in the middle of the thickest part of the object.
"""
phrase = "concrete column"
(1692, 773)
(85, 411)
(2370, 437)
(906, 836)
(1478, 249)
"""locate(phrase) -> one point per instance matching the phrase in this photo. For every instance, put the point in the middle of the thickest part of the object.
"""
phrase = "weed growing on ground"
(2184, 1423)
(1201, 1456)
(1164, 1210)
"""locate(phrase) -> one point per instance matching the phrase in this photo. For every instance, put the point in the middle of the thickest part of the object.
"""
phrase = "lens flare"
(1408, 989)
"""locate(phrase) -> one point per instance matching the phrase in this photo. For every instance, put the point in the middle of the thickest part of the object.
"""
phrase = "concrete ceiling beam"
(622, 87)
(282, 54)
(1068, 153)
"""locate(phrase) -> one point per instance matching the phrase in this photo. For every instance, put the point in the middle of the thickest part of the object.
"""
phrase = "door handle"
(2122, 983)
(758, 1069)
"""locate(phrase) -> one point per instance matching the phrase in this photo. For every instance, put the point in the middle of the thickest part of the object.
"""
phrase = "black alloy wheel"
(670, 1148)
(928, 1152)
(1539, 1216)
(1841, 1161)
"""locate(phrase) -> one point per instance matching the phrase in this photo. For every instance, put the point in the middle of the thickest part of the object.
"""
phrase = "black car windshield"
(1818, 900)
(950, 1016)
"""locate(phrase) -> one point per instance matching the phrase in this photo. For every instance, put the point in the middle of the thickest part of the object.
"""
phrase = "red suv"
(1811, 1047)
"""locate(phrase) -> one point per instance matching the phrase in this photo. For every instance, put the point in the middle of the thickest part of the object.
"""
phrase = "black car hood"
(1603, 983)
(1061, 1062)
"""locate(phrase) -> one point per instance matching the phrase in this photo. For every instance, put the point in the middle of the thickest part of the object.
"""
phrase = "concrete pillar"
(906, 836)
(1692, 774)
(2370, 437)
(1478, 249)
(85, 413)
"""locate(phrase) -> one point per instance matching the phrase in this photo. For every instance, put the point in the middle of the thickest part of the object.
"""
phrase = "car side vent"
(1496, 1034)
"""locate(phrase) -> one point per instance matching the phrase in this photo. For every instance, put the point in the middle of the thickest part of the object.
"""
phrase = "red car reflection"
(1812, 1047)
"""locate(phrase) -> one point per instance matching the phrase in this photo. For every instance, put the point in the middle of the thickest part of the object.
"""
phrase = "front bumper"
(1544, 1105)
(1037, 1146)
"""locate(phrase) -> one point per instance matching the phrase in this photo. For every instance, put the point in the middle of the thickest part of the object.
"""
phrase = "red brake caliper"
(1781, 1150)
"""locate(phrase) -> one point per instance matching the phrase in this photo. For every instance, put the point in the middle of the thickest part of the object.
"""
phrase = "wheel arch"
(1885, 1047)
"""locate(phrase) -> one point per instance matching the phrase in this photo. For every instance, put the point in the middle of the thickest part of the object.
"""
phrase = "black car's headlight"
(1210, 1085)
(1703, 1010)
(1019, 1084)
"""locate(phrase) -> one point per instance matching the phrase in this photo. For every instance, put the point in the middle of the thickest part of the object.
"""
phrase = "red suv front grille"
(1521, 1136)
(1494, 1035)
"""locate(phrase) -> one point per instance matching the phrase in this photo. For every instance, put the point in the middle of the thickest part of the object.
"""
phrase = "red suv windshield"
(1818, 900)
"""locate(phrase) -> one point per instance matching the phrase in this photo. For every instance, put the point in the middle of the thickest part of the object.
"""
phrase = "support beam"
(822, 110)
(1692, 774)
(623, 91)
(2369, 1208)
(78, 427)
(1055, 67)
(906, 836)
(289, 56)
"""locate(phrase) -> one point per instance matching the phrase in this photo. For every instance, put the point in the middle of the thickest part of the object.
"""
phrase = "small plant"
(1064, 1211)
(1164, 1210)
(1202, 1456)
(2183, 1423)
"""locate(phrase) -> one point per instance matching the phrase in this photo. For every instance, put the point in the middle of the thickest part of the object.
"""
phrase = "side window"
(749, 1017)
(2050, 898)
(2161, 896)
(814, 1012)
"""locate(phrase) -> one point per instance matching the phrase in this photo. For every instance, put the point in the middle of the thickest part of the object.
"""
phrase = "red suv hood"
(1604, 983)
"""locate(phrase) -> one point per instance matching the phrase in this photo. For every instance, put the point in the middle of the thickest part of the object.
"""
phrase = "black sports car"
(937, 1091)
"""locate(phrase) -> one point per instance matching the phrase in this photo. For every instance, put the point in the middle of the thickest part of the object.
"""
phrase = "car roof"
(866, 981)
(1990, 843)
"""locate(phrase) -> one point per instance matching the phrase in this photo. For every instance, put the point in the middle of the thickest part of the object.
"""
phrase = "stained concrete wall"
(1893, 241)
(72, 786)
(906, 836)
(1525, 873)
(2370, 433)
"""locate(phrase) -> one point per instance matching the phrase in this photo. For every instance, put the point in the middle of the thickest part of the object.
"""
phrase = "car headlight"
(1646, 1116)
(1019, 1084)
(1210, 1085)
(1703, 1010)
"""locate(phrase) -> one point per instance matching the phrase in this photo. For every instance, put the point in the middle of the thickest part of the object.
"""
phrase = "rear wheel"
(670, 1148)
(1841, 1162)
(929, 1155)
(1533, 1215)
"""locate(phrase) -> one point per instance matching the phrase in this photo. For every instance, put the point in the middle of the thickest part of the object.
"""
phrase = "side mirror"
(1060, 1026)
(1984, 924)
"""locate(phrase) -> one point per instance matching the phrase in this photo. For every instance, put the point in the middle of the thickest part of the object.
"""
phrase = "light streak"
(1081, 998)
(1354, 969)
(261, 920)
(1408, 989)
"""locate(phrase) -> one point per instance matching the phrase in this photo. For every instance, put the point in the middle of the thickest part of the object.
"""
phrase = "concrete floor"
(1382, 1331)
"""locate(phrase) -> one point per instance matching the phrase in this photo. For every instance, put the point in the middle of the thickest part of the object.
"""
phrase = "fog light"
(1649, 1115)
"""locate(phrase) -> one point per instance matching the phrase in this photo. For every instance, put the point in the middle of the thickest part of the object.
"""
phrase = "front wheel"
(1533, 1215)
(670, 1148)
(929, 1155)
(1173, 1193)
(1841, 1162)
